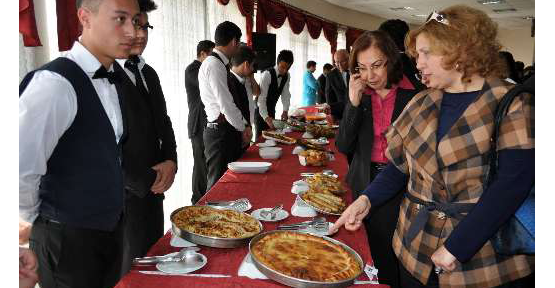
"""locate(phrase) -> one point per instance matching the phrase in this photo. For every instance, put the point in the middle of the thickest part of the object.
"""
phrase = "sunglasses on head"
(437, 17)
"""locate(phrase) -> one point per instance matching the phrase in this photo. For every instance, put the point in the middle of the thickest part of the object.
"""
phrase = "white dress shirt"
(248, 86)
(129, 73)
(214, 92)
(47, 109)
(265, 85)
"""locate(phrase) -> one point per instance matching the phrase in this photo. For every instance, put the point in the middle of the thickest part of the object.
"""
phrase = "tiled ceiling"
(382, 8)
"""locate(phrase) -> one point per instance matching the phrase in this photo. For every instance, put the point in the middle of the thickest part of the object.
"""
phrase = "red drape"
(28, 24)
(246, 7)
(352, 34)
(69, 28)
(223, 2)
(274, 12)
(314, 26)
(296, 20)
(330, 32)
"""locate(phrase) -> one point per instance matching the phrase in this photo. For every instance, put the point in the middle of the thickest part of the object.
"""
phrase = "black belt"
(41, 219)
(378, 166)
(452, 210)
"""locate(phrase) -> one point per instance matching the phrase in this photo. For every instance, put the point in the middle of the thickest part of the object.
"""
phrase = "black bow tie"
(133, 61)
(112, 77)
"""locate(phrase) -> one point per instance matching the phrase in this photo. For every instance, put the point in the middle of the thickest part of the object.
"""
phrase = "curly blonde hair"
(468, 43)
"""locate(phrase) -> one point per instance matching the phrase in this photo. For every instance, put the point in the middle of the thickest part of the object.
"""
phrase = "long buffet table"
(263, 190)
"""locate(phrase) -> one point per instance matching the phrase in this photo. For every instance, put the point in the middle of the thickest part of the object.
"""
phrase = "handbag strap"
(500, 113)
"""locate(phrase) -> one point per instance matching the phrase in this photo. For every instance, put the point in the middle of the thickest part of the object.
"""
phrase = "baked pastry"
(319, 131)
(212, 222)
(315, 157)
(278, 137)
(305, 256)
(325, 202)
(321, 183)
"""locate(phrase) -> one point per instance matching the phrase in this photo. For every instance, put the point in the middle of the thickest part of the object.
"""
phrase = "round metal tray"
(314, 207)
(297, 282)
(216, 242)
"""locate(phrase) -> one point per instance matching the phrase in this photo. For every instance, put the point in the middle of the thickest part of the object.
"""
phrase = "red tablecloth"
(263, 190)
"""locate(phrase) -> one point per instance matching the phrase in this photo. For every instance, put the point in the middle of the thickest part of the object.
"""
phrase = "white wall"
(519, 42)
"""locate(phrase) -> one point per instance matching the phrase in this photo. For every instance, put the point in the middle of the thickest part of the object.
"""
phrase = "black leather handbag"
(517, 235)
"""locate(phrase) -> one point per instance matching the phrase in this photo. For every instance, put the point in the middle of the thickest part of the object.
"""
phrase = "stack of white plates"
(249, 167)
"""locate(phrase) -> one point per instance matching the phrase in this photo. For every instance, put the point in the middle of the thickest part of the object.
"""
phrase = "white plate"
(319, 141)
(179, 267)
(321, 122)
(282, 214)
(307, 135)
(249, 167)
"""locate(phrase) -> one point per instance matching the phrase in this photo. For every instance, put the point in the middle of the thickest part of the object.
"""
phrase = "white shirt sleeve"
(286, 95)
(47, 109)
(264, 86)
(217, 79)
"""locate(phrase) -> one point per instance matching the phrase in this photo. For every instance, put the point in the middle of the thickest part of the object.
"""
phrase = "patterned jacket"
(454, 172)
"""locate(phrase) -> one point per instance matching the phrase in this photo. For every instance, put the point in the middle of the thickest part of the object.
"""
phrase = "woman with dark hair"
(439, 151)
(375, 101)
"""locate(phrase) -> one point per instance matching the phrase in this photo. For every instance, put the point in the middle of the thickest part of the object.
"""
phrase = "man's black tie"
(132, 65)
(112, 77)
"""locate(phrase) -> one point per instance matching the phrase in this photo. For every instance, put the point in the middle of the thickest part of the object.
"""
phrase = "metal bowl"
(216, 242)
(298, 282)
(314, 207)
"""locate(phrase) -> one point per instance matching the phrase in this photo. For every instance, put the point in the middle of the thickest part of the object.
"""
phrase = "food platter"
(210, 241)
(299, 282)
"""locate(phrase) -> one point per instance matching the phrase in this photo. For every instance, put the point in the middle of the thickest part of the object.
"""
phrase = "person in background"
(310, 85)
(227, 130)
(519, 65)
(337, 84)
(71, 128)
(397, 29)
(149, 151)
(510, 66)
(28, 277)
(274, 84)
(376, 99)
(196, 121)
(241, 85)
(438, 150)
(321, 98)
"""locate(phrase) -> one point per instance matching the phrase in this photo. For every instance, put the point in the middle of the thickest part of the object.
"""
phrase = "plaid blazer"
(454, 172)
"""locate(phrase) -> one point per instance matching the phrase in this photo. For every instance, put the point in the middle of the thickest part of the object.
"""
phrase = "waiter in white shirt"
(71, 126)
(227, 129)
(241, 84)
(274, 83)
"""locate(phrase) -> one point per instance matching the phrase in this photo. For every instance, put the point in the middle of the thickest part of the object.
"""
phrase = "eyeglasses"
(373, 67)
(438, 17)
(145, 26)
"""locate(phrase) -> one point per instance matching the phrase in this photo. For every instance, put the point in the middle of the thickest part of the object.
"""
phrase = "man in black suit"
(321, 97)
(337, 84)
(149, 153)
(397, 29)
(197, 119)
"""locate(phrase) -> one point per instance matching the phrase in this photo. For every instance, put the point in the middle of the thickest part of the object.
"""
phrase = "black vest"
(83, 184)
(274, 91)
(238, 97)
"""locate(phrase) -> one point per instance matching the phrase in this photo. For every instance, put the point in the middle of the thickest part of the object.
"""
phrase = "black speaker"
(264, 44)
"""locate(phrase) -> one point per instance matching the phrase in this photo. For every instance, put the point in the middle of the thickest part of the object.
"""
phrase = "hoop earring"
(457, 66)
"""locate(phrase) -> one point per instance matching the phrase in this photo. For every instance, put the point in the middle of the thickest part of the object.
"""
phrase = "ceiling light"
(528, 17)
(419, 15)
(504, 10)
(401, 8)
(490, 2)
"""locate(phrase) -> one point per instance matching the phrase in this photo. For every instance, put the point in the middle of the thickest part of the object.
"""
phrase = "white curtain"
(304, 49)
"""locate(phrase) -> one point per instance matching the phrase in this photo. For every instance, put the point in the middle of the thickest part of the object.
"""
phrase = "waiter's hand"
(443, 259)
(284, 116)
(354, 214)
(247, 136)
(270, 121)
(28, 276)
(165, 174)
(24, 231)
(356, 87)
